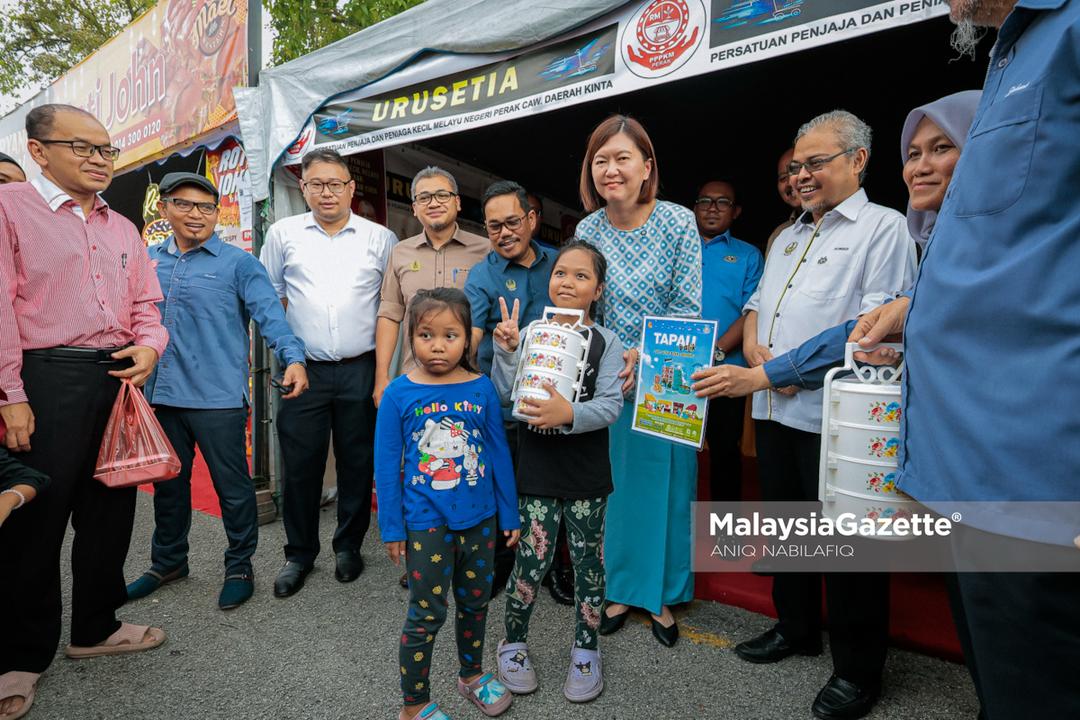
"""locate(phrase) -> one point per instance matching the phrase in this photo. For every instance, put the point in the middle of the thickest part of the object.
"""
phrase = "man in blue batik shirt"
(730, 271)
(200, 387)
(992, 339)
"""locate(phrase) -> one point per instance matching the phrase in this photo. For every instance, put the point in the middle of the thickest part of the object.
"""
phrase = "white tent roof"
(273, 114)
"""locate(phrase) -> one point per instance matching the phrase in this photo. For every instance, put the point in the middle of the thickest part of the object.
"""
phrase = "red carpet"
(921, 620)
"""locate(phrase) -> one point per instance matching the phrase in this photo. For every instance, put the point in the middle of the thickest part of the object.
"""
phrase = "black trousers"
(858, 603)
(71, 401)
(337, 405)
(724, 430)
(1020, 632)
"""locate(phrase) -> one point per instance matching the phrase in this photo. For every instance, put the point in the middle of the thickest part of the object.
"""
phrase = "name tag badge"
(790, 248)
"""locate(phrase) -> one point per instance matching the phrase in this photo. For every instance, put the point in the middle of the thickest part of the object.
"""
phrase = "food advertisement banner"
(645, 43)
(164, 81)
(226, 166)
(672, 350)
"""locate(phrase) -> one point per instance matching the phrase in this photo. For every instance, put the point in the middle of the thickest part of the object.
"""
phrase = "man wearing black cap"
(10, 171)
(200, 387)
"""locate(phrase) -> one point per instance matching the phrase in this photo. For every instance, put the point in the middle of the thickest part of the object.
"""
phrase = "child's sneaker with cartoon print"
(515, 668)
(585, 680)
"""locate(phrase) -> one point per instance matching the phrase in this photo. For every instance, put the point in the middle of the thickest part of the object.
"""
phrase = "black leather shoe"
(290, 579)
(349, 566)
(667, 636)
(843, 700)
(562, 586)
(770, 647)
(609, 625)
(404, 580)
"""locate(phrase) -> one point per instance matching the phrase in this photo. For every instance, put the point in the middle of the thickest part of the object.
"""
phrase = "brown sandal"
(128, 639)
(18, 684)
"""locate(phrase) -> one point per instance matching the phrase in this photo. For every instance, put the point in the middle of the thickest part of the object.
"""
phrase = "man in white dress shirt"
(842, 257)
(327, 266)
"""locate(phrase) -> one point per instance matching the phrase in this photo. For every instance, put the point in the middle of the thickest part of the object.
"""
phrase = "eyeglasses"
(335, 186)
(185, 206)
(441, 197)
(721, 203)
(84, 149)
(814, 165)
(495, 227)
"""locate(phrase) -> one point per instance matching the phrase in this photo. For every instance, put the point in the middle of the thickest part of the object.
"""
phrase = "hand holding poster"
(672, 350)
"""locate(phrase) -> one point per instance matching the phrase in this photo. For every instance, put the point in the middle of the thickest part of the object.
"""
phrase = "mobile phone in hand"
(279, 386)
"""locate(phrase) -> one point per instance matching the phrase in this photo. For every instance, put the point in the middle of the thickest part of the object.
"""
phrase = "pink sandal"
(128, 639)
(18, 684)
(491, 696)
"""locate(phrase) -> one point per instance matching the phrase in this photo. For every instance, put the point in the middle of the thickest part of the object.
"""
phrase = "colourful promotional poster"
(672, 350)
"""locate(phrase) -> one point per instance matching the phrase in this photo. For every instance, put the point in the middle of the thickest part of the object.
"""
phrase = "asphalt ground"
(330, 652)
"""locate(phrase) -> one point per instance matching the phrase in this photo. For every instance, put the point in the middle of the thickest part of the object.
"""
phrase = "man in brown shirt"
(440, 256)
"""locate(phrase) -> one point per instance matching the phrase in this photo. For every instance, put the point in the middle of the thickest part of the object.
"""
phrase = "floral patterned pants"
(540, 518)
(437, 560)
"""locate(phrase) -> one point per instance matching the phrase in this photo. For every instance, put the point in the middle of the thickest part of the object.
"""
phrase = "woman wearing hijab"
(930, 146)
(10, 170)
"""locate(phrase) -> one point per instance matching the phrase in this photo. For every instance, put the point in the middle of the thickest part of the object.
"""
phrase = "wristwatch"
(718, 355)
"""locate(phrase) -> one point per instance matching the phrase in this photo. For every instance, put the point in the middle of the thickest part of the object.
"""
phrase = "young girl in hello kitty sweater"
(456, 493)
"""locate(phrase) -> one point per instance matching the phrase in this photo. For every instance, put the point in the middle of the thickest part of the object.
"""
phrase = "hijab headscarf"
(953, 114)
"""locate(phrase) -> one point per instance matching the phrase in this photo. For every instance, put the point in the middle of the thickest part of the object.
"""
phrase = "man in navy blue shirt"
(992, 340)
(200, 387)
(517, 268)
(730, 271)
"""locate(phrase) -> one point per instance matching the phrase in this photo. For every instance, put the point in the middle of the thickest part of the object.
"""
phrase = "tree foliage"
(40, 40)
(305, 25)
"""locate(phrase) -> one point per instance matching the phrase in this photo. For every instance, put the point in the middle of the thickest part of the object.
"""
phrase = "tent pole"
(262, 404)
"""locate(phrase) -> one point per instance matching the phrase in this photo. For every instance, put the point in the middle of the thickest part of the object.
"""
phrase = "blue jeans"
(220, 435)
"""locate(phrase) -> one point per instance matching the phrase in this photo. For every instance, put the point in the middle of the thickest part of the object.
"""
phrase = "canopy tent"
(273, 114)
(372, 89)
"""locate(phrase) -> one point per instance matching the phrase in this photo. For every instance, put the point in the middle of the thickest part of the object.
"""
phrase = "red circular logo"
(661, 27)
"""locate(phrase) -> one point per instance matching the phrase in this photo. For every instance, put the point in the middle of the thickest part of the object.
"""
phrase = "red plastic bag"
(134, 449)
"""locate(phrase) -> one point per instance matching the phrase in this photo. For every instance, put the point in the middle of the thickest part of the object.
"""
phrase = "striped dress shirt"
(69, 280)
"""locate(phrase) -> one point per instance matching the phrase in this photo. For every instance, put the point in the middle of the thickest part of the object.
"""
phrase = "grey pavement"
(330, 652)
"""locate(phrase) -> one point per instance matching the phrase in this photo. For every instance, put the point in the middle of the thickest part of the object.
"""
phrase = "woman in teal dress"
(654, 259)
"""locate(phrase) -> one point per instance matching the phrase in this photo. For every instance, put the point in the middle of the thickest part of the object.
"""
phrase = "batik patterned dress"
(652, 270)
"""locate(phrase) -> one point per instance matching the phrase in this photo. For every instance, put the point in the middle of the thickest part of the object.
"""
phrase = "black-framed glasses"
(495, 227)
(185, 206)
(84, 149)
(334, 186)
(441, 197)
(721, 203)
(816, 164)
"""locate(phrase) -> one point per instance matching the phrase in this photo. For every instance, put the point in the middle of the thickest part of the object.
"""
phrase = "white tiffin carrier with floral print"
(552, 352)
(860, 441)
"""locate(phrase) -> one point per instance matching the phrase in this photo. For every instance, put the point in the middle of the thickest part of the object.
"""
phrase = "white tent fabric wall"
(272, 114)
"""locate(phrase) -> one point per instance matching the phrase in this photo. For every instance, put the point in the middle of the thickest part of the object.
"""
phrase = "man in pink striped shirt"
(77, 314)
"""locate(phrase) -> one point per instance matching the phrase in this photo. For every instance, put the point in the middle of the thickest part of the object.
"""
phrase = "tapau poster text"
(672, 350)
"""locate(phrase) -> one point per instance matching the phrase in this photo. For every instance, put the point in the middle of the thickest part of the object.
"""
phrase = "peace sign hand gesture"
(507, 335)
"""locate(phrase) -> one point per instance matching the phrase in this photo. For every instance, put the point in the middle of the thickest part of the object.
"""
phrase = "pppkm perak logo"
(662, 35)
